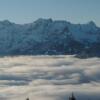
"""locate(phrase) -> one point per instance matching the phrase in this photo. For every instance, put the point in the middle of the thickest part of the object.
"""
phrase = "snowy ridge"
(46, 36)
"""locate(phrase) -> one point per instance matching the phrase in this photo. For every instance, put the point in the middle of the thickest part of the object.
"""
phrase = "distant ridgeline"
(48, 37)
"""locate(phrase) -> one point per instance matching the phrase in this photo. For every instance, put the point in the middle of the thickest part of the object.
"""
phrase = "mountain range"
(49, 37)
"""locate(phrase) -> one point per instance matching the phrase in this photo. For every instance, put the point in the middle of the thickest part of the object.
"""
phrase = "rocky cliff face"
(46, 36)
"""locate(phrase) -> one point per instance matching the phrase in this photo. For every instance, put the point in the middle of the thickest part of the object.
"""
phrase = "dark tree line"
(72, 97)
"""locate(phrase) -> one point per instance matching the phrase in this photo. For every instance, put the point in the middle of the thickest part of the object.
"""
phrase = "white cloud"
(52, 78)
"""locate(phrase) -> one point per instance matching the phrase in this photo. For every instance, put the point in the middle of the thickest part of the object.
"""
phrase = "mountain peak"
(92, 23)
(40, 20)
(46, 36)
(6, 22)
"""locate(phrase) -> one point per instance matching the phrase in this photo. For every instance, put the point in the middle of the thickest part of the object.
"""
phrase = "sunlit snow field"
(49, 78)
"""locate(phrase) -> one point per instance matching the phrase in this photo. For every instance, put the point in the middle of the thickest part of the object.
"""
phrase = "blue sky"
(76, 11)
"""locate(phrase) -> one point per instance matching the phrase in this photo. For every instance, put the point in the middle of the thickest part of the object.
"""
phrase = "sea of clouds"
(49, 78)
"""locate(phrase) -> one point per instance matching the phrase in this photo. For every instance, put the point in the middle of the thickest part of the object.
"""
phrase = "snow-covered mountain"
(45, 36)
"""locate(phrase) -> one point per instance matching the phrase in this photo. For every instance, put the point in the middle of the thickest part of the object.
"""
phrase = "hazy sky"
(76, 11)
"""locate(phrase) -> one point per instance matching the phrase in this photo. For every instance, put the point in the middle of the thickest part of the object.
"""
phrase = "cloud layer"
(49, 78)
